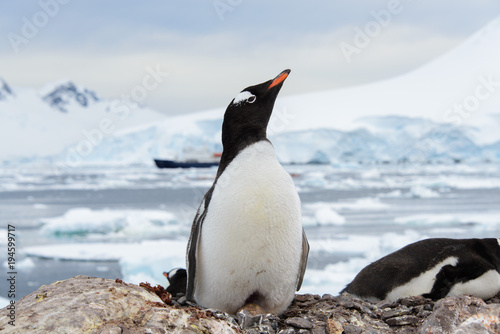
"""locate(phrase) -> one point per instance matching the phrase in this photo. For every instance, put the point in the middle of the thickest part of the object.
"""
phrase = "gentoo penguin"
(177, 279)
(247, 245)
(433, 268)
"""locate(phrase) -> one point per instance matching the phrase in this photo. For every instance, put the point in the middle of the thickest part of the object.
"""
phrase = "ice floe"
(114, 224)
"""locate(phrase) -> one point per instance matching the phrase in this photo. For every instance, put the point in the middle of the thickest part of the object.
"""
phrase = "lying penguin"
(433, 268)
(247, 246)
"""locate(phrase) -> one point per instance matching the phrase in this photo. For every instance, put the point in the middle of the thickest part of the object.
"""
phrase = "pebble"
(415, 301)
(395, 312)
(403, 320)
(327, 296)
(351, 329)
(299, 323)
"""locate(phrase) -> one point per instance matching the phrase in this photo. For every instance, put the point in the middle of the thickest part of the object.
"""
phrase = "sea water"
(133, 222)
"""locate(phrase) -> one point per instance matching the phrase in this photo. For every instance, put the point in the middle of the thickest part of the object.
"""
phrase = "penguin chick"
(177, 281)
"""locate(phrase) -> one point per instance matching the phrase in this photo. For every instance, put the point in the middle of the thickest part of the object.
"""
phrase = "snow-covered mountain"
(462, 87)
(37, 125)
(445, 111)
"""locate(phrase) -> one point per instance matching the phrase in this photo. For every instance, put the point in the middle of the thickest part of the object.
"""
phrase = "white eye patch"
(244, 96)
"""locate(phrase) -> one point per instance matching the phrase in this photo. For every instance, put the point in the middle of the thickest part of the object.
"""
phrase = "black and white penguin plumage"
(433, 268)
(247, 245)
(177, 279)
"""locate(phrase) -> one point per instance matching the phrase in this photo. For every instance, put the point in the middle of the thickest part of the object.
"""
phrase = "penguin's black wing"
(303, 260)
(192, 249)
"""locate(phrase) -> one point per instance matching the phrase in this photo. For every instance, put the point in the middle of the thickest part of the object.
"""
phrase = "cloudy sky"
(202, 52)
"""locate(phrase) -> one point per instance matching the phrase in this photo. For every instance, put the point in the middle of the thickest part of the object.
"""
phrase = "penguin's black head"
(177, 278)
(248, 114)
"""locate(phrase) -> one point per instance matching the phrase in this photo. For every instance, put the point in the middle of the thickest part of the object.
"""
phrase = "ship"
(193, 160)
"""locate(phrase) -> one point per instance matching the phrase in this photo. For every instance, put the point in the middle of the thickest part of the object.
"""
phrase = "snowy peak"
(39, 124)
(65, 94)
(5, 90)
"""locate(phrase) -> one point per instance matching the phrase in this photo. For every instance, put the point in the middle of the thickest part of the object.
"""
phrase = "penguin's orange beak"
(279, 79)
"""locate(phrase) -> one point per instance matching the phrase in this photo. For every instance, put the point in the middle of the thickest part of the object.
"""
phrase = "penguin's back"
(434, 268)
(251, 240)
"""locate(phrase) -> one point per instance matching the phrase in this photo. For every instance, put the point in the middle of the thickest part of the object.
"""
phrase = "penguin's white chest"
(251, 238)
(254, 201)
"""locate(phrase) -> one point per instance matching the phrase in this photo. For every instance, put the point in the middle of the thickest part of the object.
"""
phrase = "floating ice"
(114, 224)
(392, 194)
(485, 219)
(144, 260)
(334, 277)
(4, 302)
(416, 191)
(3, 236)
(327, 216)
(24, 264)
(321, 214)
(419, 191)
(366, 203)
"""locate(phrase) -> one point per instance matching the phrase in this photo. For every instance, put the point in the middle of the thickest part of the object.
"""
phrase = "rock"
(403, 320)
(287, 331)
(395, 312)
(415, 301)
(334, 327)
(299, 323)
(351, 329)
(95, 305)
(462, 314)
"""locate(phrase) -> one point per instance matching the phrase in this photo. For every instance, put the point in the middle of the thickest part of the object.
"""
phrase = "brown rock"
(334, 327)
(95, 305)
(462, 314)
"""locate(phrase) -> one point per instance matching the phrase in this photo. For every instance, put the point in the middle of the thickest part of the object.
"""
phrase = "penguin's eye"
(251, 99)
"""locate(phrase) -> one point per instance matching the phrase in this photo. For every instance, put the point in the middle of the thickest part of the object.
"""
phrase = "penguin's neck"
(235, 143)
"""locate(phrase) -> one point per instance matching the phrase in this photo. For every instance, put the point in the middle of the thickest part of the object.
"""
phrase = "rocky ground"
(85, 304)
